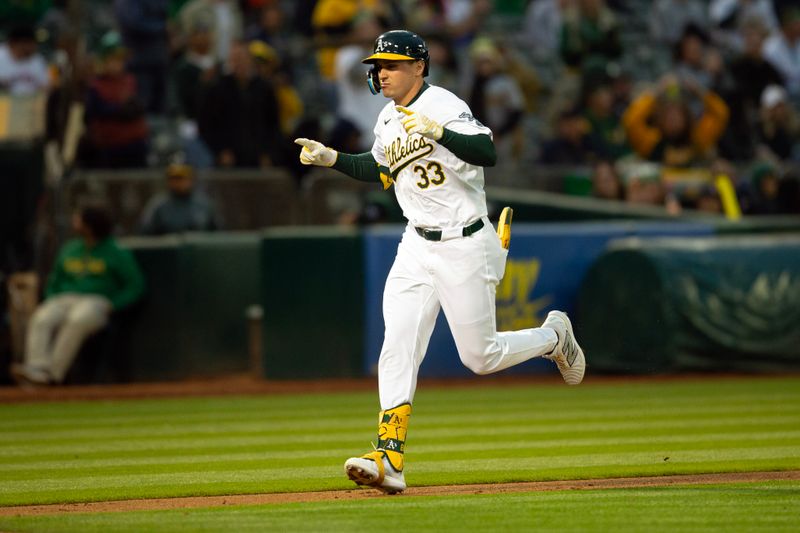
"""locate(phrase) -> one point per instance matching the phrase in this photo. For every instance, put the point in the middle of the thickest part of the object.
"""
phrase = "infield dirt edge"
(192, 502)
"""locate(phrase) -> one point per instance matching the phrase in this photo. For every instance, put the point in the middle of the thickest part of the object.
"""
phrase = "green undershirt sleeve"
(474, 149)
(362, 167)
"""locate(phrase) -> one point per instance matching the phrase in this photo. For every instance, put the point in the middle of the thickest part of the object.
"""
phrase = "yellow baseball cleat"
(383, 468)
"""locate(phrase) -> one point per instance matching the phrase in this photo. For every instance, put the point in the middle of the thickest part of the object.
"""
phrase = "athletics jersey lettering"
(400, 154)
(433, 186)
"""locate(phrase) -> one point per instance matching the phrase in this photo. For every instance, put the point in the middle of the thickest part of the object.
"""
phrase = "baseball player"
(432, 150)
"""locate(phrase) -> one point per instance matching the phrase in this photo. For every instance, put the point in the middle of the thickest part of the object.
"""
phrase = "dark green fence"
(192, 320)
(313, 297)
(721, 304)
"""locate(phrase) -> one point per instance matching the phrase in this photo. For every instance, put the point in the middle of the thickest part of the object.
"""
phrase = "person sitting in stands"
(182, 208)
(92, 277)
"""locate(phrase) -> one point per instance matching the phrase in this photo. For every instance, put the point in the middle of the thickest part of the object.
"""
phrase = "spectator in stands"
(426, 17)
(693, 57)
(779, 128)
(708, 200)
(751, 72)
(572, 144)
(193, 74)
(332, 21)
(443, 70)
(622, 88)
(464, 20)
(643, 184)
(23, 77)
(606, 183)
(240, 112)
(605, 128)
(143, 25)
(781, 48)
(669, 18)
(23, 71)
(661, 127)
(357, 105)
(541, 27)
(765, 199)
(519, 68)
(727, 17)
(589, 35)
(222, 17)
(182, 208)
(271, 70)
(91, 278)
(271, 28)
(117, 132)
(644, 191)
(750, 75)
(496, 98)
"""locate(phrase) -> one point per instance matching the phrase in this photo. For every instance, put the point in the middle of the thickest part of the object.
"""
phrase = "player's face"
(400, 80)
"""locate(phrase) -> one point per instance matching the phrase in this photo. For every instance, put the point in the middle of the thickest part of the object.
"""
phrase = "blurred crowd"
(638, 101)
(685, 104)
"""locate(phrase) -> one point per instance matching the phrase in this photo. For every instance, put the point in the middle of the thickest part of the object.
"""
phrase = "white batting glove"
(415, 122)
(316, 153)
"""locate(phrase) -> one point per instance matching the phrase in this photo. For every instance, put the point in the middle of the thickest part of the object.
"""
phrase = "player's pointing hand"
(415, 122)
(316, 153)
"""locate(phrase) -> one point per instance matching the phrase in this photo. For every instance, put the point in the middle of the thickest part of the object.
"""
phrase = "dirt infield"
(222, 386)
(249, 385)
(359, 494)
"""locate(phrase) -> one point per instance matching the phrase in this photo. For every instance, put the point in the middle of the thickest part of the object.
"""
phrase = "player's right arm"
(362, 167)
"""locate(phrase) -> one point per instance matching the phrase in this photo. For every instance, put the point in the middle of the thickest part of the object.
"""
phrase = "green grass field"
(762, 507)
(92, 451)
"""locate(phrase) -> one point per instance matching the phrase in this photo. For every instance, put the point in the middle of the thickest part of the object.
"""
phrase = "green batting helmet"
(400, 45)
(396, 45)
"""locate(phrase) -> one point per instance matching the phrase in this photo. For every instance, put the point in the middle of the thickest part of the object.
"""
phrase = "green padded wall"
(667, 305)
(191, 322)
(222, 280)
(313, 298)
(157, 347)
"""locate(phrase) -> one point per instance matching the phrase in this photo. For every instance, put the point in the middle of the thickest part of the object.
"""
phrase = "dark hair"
(21, 33)
(691, 30)
(98, 219)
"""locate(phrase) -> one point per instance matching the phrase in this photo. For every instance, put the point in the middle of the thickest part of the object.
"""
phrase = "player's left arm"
(475, 149)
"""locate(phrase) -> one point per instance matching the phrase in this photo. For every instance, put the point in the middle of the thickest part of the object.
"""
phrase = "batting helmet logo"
(396, 45)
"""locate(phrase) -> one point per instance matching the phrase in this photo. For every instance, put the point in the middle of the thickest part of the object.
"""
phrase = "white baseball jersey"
(434, 188)
(457, 274)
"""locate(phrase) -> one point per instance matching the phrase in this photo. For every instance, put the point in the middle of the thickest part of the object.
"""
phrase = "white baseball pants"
(460, 276)
(58, 328)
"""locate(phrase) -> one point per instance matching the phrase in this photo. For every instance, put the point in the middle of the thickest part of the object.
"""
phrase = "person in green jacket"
(92, 277)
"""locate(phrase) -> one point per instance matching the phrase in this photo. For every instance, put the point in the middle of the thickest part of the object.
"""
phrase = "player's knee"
(477, 363)
(482, 370)
(479, 355)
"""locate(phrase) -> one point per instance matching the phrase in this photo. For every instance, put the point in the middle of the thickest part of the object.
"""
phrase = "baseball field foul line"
(355, 494)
